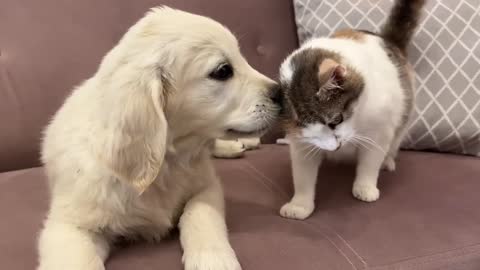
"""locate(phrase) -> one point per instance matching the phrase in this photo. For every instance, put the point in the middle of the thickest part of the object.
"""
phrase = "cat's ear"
(332, 74)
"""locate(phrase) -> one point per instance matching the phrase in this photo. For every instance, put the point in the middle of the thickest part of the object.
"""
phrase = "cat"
(349, 97)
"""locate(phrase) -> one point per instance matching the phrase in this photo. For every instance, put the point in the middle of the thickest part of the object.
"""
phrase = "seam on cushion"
(276, 189)
(257, 178)
(9, 87)
(444, 257)
(344, 242)
(270, 181)
(12, 97)
(8, 175)
(325, 235)
(349, 247)
(335, 245)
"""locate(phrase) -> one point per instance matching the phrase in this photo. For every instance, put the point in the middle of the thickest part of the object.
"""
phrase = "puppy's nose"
(275, 94)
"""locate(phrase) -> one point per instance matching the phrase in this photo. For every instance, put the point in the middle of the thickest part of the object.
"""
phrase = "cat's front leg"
(305, 163)
(368, 167)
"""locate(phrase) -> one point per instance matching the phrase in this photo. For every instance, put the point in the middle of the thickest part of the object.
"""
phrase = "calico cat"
(349, 96)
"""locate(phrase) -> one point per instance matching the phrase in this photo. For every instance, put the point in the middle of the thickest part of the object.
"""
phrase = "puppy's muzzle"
(275, 94)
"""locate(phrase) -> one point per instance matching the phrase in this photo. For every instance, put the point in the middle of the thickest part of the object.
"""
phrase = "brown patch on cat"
(402, 22)
(291, 126)
(406, 75)
(326, 66)
(350, 34)
(407, 79)
(308, 101)
(332, 74)
(290, 121)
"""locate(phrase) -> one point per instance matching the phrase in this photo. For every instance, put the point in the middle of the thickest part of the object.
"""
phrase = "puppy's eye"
(222, 73)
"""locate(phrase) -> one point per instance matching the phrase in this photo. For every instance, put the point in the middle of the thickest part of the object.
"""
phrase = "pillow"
(445, 53)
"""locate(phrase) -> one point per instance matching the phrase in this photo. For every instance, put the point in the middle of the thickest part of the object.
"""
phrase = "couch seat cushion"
(427, 218)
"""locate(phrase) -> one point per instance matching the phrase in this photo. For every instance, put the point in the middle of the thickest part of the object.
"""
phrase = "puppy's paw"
(296, 211)
(228, 149)
(365, 192)
(389, 164)
(211, 259)
(250, 143)
(283, 141)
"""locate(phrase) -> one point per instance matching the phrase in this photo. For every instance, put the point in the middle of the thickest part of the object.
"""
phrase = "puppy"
(128, 153)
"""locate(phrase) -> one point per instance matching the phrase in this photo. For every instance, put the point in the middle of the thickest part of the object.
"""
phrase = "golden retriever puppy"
(128, 153)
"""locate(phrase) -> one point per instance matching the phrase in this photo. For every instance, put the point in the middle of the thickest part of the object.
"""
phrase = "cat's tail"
(402, 22)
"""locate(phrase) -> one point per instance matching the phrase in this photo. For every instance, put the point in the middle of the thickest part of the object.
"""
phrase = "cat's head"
(320, 95)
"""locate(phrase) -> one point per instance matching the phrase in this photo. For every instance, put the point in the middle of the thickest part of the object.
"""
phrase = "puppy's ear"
(134, 143)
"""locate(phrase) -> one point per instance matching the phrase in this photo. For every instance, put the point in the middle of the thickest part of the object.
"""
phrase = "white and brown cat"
(349, 97)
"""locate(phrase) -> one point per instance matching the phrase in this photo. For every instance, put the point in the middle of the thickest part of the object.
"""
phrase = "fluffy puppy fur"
(128, 153)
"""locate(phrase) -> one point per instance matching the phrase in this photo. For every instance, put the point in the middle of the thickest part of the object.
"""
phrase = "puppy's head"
(175, 74)
(216, 92)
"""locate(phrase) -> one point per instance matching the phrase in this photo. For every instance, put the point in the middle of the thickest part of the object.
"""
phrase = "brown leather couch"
(428, 216)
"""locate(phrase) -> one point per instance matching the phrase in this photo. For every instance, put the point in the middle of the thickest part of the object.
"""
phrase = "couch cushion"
(427, 218)
(47, 47)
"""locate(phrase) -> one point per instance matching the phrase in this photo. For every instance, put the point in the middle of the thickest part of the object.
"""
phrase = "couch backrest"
(49, 46)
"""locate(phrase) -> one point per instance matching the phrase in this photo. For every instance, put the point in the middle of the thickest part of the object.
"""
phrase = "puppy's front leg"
(228, 149)
(203, 232)
(64, 246)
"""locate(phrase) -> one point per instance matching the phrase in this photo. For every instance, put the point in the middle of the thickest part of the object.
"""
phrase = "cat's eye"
(222, 73)
(337, 120)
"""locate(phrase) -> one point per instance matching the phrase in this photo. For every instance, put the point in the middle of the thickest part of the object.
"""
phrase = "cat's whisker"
(368, 145)
(309, 154)
(317, 151)
(376, 145)
(369, 141)
(355, 144)
(267, 119)
(306, 148)
(365, 137)
(360, 144)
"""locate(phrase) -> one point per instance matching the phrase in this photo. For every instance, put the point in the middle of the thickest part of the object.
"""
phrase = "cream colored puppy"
(128, 153)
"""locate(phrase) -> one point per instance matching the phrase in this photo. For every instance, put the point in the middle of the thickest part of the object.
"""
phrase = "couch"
(428, 216)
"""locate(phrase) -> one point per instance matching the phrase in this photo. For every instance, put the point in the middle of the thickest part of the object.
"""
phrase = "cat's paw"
(389, 164)
(214, 259)
(366, 193)
(250, 143)
(296, 211)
